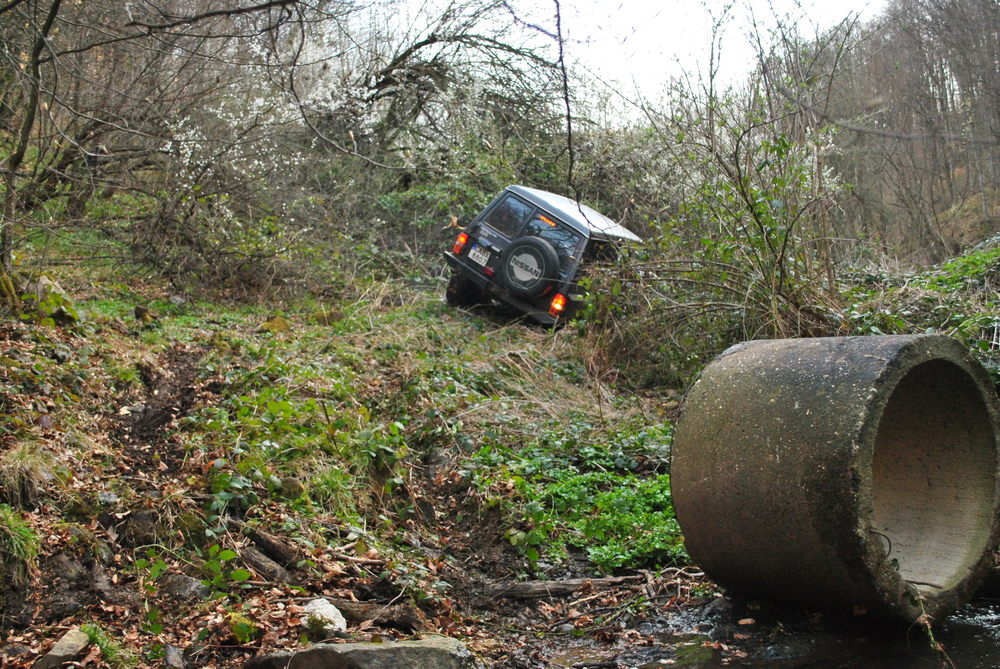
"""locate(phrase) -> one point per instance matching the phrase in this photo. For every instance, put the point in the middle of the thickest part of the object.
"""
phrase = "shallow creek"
(762, 636)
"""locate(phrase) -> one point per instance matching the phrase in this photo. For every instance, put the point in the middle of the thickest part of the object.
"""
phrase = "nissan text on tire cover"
(527, 249)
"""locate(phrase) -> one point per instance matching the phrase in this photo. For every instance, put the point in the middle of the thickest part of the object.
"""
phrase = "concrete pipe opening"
(854, 473)
(933, 476)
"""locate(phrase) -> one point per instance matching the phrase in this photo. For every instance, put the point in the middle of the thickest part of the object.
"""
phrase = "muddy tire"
(529, 267)
(463, 292)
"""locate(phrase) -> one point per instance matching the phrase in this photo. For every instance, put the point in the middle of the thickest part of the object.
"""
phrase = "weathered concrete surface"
(435, 653)
(857, 473)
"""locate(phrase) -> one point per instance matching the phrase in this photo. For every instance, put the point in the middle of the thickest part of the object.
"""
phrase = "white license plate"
(479, 255)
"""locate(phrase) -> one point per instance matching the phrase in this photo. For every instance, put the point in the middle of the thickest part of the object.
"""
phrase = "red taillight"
(557, 305)
(460, 243)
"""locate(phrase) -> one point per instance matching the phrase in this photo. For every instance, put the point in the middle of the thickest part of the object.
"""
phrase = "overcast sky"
(643, 42)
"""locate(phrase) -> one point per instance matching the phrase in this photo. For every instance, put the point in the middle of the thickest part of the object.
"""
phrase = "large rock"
(53, 300)
(60, 606)
(70, 647)
(173, 657)
(436, 653)
(323, 618)
(42, 287)
(180, 586)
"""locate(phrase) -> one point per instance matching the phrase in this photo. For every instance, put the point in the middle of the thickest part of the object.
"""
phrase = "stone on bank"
(435, 653)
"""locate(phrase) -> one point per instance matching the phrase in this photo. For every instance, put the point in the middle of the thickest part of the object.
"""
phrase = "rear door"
(567, 242)
(496, 230)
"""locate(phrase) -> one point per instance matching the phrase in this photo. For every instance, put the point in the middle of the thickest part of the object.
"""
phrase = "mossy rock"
(219, 341)
(291, 488)
(192, 526)
(328, 316)
(275, 324)
(80, 509)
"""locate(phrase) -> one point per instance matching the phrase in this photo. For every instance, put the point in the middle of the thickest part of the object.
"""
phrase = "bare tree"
(912, 99)
(105, 94)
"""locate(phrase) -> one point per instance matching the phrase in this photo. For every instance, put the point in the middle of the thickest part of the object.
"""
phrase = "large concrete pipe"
(858, 473)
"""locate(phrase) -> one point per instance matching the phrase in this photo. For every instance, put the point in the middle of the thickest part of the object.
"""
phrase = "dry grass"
(335, 489)
(24, 471)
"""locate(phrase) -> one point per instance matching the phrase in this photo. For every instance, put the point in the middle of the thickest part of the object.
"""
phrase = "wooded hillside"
(253, 149)
(244, 206)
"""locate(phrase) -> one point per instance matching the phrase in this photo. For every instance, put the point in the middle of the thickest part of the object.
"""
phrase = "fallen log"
(401, 616)
(267, 567)
(268, 544)
(540, 589)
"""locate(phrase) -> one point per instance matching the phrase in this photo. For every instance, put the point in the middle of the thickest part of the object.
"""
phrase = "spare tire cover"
(529, 266)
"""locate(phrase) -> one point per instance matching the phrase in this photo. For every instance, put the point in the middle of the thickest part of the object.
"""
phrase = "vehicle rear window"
(563, 240)
(508, 215)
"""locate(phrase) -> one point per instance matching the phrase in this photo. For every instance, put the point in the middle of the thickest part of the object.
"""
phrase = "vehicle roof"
(590, 222)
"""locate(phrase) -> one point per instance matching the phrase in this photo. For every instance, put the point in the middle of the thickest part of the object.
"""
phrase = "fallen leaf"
(747, 621)
(92, 656)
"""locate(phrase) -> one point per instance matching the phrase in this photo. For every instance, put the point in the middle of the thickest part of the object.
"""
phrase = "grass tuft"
(23, 472)
(113, 653)
(19, 546)
(336, 490)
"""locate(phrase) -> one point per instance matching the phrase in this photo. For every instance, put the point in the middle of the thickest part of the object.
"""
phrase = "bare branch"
(10, 5)
(188, 20)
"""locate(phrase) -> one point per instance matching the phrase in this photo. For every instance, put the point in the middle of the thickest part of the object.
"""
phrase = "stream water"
(760, 637)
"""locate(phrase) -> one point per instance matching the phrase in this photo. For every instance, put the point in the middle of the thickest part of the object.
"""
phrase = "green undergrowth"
(958, 298)
(329, 423)
(332, 423)
(19, 546)
(353, 408)
(603, 491)
(113, 653)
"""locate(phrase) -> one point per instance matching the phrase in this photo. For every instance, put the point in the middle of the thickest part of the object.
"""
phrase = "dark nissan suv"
(527, 249)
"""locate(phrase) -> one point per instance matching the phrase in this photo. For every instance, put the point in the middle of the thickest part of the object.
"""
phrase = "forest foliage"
(315, 157)
(259, 149)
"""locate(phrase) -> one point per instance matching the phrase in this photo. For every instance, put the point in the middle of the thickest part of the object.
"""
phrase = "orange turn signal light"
(557, 305)
(460, 243)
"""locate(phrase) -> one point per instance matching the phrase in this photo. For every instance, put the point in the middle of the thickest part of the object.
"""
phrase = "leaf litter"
(136, 488)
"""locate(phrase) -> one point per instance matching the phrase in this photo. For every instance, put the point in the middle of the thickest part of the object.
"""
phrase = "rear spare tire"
(529, 267)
